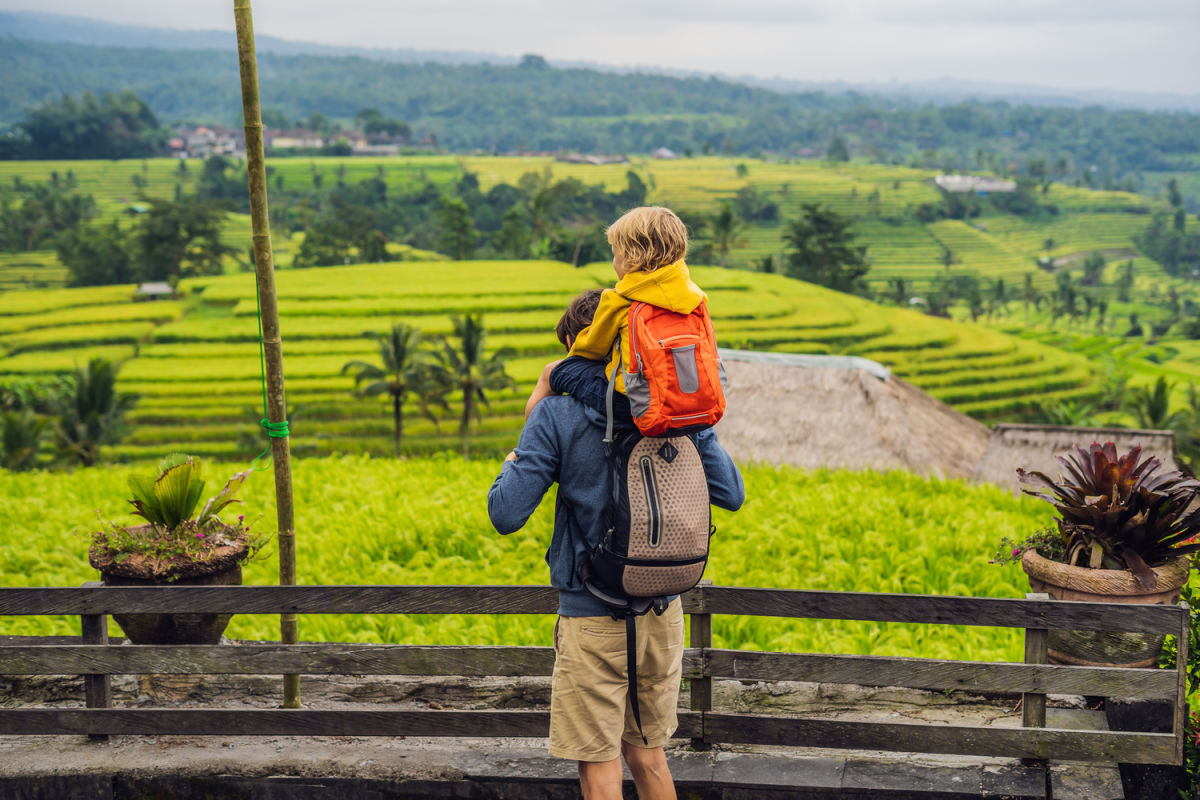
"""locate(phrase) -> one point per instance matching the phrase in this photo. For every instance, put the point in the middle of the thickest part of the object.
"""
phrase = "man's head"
(578, 316)
(647, 238)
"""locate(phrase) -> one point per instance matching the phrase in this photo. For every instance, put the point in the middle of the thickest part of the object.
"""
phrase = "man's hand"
(512, 456)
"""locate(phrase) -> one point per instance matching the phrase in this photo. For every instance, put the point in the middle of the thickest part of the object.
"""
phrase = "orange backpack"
(675, 381)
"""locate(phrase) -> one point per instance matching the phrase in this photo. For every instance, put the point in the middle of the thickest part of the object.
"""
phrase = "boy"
(648, 244)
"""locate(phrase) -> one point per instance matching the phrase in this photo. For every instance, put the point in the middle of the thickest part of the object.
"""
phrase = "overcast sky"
(1134, 45)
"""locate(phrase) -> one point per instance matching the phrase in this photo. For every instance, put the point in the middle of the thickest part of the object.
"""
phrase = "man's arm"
(725, 487)
(543, 389)
(530, 470)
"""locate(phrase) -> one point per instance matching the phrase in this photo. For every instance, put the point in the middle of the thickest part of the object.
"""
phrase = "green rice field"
(422, 521)
(195, 361)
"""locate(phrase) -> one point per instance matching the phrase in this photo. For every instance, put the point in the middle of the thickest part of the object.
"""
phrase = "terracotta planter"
(1104, 648)
(223, 569)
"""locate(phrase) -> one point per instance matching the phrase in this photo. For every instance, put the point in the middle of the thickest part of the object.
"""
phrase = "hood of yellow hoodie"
(667, 287)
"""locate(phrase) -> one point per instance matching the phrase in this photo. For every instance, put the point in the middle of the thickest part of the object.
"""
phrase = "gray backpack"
(659, 525)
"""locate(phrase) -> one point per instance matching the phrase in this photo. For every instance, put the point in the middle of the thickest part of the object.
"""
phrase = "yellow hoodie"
(667, 287)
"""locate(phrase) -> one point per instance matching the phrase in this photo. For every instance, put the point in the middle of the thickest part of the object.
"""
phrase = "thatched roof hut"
(1035, 446)
(826, 411)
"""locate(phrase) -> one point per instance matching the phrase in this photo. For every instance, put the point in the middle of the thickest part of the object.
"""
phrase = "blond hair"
(648, 237)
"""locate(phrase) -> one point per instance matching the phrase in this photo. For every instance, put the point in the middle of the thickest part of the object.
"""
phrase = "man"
(591, 721)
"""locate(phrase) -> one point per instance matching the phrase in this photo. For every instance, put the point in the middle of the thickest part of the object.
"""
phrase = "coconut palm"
(725, 230)
(1151, 406)
(91, 412)
(401, 372)
(20, 433)
(465, 364)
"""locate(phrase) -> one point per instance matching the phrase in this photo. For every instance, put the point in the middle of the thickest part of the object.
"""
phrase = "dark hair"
(578, 315)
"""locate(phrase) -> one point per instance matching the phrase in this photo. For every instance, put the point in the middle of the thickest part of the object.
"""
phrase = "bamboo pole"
(264, 269)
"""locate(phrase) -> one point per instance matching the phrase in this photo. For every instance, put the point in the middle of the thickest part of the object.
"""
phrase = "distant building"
(579, 158)
(370, 144)
(292, 139)
(154, 291)
(665, 153)
(202, 141)
(974, 183)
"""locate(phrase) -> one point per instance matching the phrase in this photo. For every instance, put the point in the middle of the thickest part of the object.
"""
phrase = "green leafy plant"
(176, 533)
(1120, 512)
(1048, 541)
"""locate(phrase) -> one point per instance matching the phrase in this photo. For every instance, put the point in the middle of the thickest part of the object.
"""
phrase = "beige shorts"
(590, 712)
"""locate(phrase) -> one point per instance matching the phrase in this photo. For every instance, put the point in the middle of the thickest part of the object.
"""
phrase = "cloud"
(1147, 45)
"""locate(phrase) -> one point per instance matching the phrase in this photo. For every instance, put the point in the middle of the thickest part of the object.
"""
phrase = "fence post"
(1181, 698)
(1033, 706)
(97, 688)
(701, 688)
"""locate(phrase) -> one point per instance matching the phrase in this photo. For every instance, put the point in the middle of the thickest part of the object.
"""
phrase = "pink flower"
(241, 517)
(199, 535)
(1016, 552)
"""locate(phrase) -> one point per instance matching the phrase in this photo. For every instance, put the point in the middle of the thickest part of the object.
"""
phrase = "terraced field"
(994, 246)
(195, 361)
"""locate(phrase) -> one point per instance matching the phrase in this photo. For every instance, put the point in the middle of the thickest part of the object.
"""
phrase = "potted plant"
(175, 545)
(1124, 534)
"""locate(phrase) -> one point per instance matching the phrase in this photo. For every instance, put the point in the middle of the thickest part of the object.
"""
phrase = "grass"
(384, 521)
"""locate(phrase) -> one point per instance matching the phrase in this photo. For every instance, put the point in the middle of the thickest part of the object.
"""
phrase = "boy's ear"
(570, 343)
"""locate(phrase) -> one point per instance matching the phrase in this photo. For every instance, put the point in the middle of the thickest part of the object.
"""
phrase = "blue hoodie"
(561, 443)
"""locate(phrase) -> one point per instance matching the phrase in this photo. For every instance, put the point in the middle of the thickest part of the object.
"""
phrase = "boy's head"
(647, 238)
(578, 316)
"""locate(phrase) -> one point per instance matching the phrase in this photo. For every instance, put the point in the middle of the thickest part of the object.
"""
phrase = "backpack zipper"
(691, 336)
(651, 486)
(633, 312)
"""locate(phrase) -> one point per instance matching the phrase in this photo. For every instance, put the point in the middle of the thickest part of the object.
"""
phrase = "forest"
(534, 107)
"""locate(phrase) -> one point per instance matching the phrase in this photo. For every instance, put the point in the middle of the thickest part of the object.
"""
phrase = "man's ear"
(570, 343)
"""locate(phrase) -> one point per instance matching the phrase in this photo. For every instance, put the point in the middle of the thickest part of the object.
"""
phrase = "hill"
(533, 107)
(42, 27)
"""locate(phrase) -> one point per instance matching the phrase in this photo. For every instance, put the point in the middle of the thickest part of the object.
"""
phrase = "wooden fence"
(96, 660)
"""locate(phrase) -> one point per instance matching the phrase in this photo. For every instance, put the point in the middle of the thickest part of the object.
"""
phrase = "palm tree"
(1151, 406)
(726, 230)
(471, 372)
(91, 412)
(400, 374)
(20, 433)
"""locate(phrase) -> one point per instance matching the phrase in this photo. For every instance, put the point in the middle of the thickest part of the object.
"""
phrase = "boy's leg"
(651, 774)
(601, 780)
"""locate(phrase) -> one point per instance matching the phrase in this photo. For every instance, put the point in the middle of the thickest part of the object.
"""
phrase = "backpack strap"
(608, 398)
(631, 666)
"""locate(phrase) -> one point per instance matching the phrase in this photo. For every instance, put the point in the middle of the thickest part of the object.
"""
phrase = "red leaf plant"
(1120, 512)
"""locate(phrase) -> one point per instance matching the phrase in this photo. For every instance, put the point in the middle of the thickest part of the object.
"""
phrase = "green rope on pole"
(275, 430)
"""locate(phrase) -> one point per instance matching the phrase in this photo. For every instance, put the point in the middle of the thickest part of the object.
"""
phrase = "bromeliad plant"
(1119, 512)
(174, 535)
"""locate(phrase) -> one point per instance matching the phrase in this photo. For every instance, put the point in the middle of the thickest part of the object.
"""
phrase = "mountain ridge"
(79, 29)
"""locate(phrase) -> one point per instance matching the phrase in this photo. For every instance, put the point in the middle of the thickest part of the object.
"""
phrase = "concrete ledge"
(460, 770)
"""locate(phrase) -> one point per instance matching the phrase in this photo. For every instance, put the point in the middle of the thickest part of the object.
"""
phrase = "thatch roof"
(1035, 446)
(832, 413)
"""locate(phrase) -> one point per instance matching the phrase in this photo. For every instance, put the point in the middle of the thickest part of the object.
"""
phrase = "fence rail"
(96, 659)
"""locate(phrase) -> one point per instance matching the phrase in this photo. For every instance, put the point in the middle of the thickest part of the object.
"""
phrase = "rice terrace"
(920, 302)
